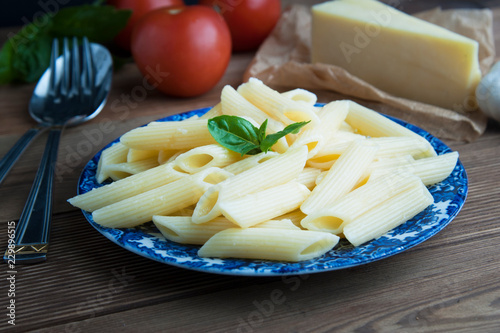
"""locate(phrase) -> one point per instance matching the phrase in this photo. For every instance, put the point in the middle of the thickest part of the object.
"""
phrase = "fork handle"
(15, 152)
(32, 231)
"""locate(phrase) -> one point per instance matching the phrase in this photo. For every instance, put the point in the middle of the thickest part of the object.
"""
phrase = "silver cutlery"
(73, 90)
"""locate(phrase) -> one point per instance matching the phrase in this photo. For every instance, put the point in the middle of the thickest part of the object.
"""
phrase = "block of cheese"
(397, 53)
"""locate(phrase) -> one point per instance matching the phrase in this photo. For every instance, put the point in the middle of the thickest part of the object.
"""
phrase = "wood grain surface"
(450, 283)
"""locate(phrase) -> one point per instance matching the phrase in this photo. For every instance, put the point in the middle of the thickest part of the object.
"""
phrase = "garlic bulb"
(488, 93)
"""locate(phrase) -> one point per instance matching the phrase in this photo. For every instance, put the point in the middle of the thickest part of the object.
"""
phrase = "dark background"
(19, 12)
(15, 13)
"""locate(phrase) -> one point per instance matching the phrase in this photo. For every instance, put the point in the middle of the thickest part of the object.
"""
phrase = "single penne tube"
(250, 162)
(384, 166)
(388, 215)
(134, 155)
(275, 105)
(277, 224)
(204, 157)
(236, 105)
(182, 230)
(165, 156)
(169, 135)
(302, 96)
(397, 146)
(114, 154)
(275, 171)
(265, 205)
(433, 170)
(122, 170)
(163, 200)
(331, 117)
(430, 170)
(370, 123)
(213, 112)
(332, 149)
(127, 187)
(268, 244)
(295, 216)
(334, 218)
(308, 177)
(342, 176)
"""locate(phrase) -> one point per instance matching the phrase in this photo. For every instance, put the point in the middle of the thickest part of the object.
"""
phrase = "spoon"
(74, 89)
(42, 103)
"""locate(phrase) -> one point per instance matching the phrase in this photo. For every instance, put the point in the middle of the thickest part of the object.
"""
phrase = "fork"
(69, 100)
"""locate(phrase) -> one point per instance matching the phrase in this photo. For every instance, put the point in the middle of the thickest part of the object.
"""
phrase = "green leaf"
(235, 133)
(99, 23)
(271, 139)
(262, 130)
(7, 72)
(239, 135)
(26, 55)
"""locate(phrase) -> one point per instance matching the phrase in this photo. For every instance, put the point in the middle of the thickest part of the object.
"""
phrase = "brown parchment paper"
(283, 61)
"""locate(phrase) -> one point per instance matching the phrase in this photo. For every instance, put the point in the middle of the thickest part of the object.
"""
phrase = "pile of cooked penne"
(350, 172)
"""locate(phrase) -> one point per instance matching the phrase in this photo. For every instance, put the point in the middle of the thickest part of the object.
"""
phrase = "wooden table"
(450, 283)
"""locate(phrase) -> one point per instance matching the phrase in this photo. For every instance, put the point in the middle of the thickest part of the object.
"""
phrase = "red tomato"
(182, 51)
(139, 8)
(250, 21)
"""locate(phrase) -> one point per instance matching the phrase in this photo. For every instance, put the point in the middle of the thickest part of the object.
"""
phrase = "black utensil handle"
(16, 151)
(32, 231)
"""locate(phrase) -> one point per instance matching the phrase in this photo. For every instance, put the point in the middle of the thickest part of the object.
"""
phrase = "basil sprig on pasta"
(240, 135)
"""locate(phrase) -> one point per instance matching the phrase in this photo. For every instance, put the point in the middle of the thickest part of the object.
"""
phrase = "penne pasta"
(272, 202)
(268, 244)
(398, 146)
(342, 176)
(250, 162)
(117, 153)
(295, 216)
(165, 156)
(276, 105)
(162, 200)
(308, 177)
(213, 112)
(123, 170)
(430, 170)
(275, 171)
(372, 124)
(351, 172)
(388, 215)
(277, 224)
(433, 170)
(169, 135)
(135, 155)
(331, 117)
(301, 96)
(204, 157)
(182, 230)
(127, 187)
(346, 209)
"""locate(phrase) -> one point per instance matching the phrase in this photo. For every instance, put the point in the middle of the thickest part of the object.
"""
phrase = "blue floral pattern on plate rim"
(146, 240)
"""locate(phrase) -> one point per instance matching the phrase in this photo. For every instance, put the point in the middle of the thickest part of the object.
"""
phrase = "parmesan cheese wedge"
(397, 53)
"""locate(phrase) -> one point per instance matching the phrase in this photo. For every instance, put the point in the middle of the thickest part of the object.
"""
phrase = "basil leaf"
(271, 139)
(235, 133)
(262, 130)
(99, 23)
(26, 55)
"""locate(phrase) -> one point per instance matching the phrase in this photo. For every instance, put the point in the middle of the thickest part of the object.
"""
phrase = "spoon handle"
(15, 152)
(31, 240)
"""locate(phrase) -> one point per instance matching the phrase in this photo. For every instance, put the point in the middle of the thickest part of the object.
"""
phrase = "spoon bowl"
(91, 78)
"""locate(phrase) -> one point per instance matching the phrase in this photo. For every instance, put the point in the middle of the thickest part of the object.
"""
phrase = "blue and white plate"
(449, 197)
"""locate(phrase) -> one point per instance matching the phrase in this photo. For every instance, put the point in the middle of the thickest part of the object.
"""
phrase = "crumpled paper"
(283, 62)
